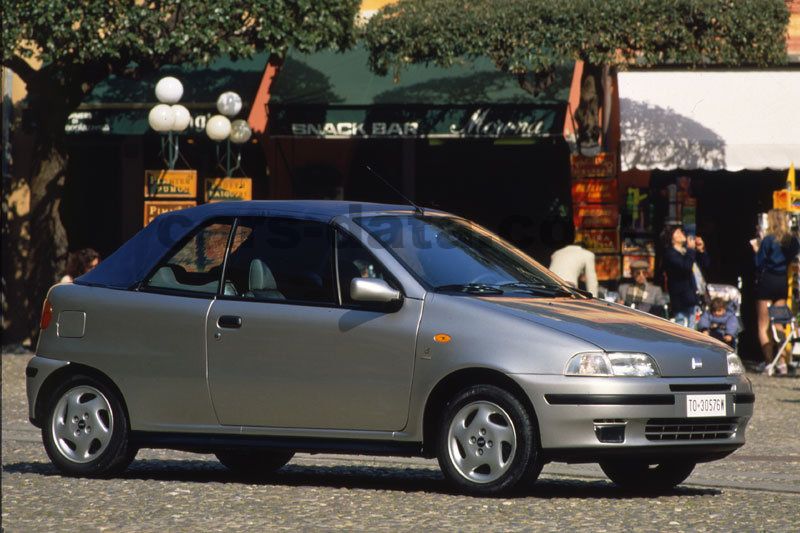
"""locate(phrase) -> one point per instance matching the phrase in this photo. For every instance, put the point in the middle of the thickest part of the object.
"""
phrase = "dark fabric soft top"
(136, 258)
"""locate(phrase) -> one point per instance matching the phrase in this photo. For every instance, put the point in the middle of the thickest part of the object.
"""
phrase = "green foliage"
(523, 36)
(70, 32)
(83, 41)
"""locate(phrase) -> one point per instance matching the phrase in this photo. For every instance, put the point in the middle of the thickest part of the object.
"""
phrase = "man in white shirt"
(571, 261)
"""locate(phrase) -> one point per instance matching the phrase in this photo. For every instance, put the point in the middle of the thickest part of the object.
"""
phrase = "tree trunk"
(48, 239)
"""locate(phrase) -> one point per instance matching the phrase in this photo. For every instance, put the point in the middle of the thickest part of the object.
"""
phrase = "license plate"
(698, 405)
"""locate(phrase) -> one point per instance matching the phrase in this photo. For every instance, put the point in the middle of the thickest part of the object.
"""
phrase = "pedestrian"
(773, 254)
(573, 261)
(719, 322)
(641, 294)
(79, 263)
(684, 257)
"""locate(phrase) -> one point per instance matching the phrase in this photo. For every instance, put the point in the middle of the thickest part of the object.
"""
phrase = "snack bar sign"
(491, 121)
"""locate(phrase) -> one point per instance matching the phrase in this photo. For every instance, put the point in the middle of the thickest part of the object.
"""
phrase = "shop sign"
(170, 183)
(603, 165)
(226, 189)
(595, 191)
(356, 129)
(109, 119)
(154, 208)
(86, 122)
(599, 241)
(590, 216)
(607, 267)
(496, 121)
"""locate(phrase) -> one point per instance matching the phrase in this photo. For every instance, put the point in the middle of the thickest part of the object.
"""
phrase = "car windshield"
(453, 254)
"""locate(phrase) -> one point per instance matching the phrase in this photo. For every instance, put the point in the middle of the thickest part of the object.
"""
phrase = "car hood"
(615, 328)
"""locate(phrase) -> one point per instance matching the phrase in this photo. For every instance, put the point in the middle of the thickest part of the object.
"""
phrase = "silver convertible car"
(254, 330)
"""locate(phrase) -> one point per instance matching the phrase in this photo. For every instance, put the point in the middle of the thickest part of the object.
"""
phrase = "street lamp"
(220, 128)
(169, 117)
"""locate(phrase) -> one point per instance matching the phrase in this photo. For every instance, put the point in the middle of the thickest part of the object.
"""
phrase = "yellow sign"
(170, 184)
(153, 209)
(788, 198)
(225, 189)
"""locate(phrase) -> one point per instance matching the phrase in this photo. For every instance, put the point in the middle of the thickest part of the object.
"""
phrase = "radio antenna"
(417, 208)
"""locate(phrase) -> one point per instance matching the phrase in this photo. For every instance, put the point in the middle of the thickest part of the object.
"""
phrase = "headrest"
(164, 277)
(261, 278)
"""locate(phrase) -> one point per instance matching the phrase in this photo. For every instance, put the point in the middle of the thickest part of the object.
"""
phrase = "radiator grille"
(690, 429)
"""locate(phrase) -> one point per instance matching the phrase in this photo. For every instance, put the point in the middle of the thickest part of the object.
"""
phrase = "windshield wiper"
(471, 288)
(539, 287)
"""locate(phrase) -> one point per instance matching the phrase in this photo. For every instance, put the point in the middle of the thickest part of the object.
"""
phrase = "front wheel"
(487, 441)
(639, 475)
(85, 431)
(254, 463)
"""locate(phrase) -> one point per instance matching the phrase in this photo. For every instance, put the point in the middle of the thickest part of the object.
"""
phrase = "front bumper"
(651, 412)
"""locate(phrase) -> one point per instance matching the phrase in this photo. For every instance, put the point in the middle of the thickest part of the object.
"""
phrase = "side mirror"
(372, 290)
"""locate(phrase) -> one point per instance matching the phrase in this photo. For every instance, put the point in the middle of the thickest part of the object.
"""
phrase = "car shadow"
(409, 480)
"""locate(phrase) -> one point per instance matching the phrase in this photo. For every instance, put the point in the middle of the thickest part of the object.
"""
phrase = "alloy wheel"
(482, 441)
(82, 424)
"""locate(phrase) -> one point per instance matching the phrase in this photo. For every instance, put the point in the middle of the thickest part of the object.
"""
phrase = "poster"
(602, 165)
(628, 260)
(607, 267)
(638, 246)
(595, 191)
(599, 241)
(589, 216)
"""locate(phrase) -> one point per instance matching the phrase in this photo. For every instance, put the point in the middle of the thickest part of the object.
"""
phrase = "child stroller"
(733, 299)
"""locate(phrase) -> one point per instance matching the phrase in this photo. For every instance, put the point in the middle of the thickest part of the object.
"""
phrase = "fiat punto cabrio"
(254, 330)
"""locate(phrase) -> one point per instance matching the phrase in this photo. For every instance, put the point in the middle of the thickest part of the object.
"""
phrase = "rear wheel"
(487, 441)
(85, 431)
(254, 463)
(648, 477)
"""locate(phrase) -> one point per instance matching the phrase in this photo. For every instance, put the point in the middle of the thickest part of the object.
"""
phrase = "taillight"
(47, 315)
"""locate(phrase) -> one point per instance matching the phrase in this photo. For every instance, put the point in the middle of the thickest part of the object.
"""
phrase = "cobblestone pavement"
(755, 489)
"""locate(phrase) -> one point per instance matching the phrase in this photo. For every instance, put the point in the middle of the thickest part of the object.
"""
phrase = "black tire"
(522, 459)
(102, 459)
(259, 463)
(641, 476)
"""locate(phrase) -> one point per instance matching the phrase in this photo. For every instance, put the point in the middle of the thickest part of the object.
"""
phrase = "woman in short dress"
(773, 255)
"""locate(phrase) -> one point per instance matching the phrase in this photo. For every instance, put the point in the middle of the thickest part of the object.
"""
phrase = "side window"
(281, 260)
(197, 265)
(356, 261)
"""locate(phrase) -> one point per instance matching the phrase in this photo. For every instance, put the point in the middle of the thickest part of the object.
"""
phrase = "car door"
(157, 333)
(287, 350)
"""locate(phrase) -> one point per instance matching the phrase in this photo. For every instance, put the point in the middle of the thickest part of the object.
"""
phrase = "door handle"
(230, 321)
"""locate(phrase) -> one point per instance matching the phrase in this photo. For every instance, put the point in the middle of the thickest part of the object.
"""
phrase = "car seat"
(164, 278)
(262, 283)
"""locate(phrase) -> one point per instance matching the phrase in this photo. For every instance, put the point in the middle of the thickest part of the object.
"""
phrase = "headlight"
(638, 365)
(735, 366)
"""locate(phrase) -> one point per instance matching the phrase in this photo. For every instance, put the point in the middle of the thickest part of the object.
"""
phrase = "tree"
(528, 38)
(82, 42)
